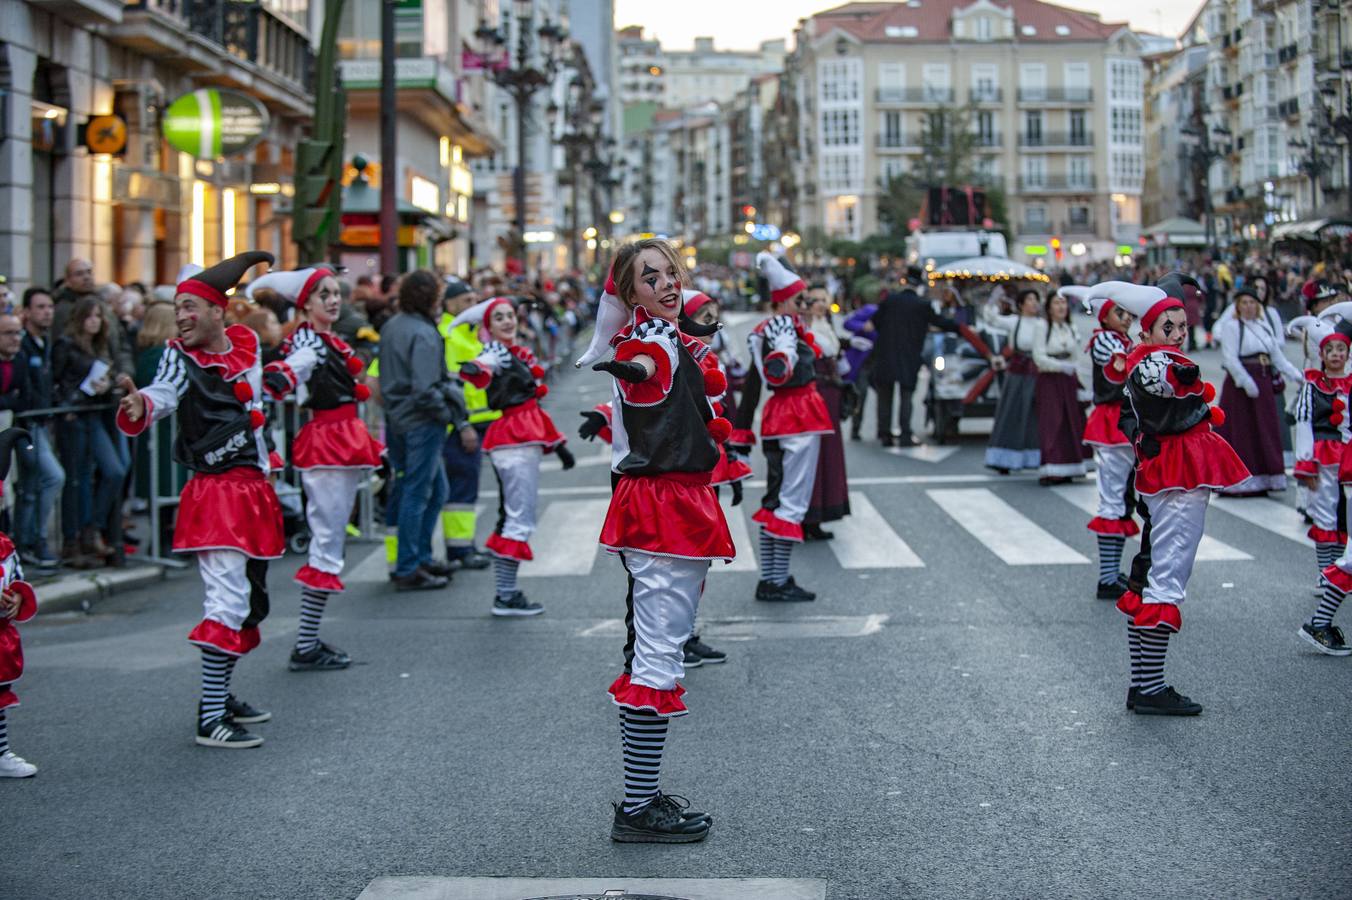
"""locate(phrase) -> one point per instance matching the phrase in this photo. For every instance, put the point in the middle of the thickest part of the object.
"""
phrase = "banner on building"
(214, 124)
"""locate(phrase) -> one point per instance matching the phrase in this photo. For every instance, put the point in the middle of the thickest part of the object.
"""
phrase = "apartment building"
(1275, 90)
(682, 78)
(1175, 177)
(1056, 99)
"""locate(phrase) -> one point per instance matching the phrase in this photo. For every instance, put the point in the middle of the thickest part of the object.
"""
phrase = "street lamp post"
(521, 79)
(1204, 155)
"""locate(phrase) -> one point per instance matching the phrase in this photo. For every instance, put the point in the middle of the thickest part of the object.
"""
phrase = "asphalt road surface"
(945, 721)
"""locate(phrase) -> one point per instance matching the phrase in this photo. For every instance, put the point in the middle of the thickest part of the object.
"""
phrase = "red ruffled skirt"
(727, 471)
(522, 425)
(794, 411)
(1102, 428)
(235, 510)
(336, 439)
(676, 514)
(1197, 458)
(11, 662)
(639, 697)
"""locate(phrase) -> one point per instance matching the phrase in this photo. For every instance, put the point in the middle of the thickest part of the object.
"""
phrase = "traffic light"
(749, 211)
(1056, 248)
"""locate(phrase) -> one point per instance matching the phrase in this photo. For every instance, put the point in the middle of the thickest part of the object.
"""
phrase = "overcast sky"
(743, 24)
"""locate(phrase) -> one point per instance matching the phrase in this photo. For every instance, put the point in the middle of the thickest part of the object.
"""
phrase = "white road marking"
(1085, 496)
(930, 453)
(864, 540)
(750, 628)
(565, 539)
(1005, 531)
(1269, 515)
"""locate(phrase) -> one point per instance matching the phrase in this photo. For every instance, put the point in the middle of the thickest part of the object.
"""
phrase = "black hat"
(454, 288)
(8, 438)
(213, 283)
(1173, 284)
(915, 275)
(1246, 291)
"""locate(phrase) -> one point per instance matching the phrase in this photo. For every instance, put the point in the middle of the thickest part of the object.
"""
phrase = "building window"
(934, 128)
(985, 128)
(1032, 128)
(892, 130)
(842, 217)
(892, 168)
(984, 79)
(1125, 123)
(1034, 171)
(838, 81)
(840, 173)
(1124, 81)
(983, 28)
(1035, 217)
(1079, 130)
(1078, 216)
(1033, 81)
(936, 82)
(1080, 175)
(840, 128)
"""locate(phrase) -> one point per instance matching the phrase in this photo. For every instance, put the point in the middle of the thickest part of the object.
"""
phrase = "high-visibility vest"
(462, 345)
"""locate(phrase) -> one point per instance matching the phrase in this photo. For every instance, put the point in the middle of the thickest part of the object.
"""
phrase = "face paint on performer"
(502, 324)
(1334, 356)
(200, 322)
(1170, 329)
(1119, 320)
(707, 315)
(657, 285)
(324, 304)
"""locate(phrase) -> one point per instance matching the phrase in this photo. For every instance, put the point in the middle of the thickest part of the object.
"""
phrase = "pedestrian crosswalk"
(997, 530)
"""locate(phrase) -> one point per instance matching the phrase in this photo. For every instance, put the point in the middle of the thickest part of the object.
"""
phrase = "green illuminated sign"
(1035, 249)
(211, 123)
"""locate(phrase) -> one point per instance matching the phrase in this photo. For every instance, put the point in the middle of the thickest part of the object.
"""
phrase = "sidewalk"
(74, 591)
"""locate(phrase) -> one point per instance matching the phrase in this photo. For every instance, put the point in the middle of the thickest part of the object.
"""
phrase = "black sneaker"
(1113, 590)
(420, 580)
(1167, 702)
(1131, 698)
(470, 560)
(769, 592)
(439, 569)
(661, 822)
(692, 659)
(516, 605)
(793, 586)
(817, 533)
(1326, 639)
(319, 658)
(704, 651)
(241, 713)
(224, 733)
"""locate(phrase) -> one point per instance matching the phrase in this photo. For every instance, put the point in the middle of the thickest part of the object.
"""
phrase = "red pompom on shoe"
(243, 392)
(541, 390)
(715, 383)
(362, 393)
(1209, 392)
(256, 419)
(537, 373)
(355, 365)
(720, 429)
(1217, 416)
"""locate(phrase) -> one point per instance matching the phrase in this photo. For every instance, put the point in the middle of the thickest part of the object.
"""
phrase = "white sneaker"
(12, 766)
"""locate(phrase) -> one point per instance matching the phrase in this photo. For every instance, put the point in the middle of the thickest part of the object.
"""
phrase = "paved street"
(945, 721)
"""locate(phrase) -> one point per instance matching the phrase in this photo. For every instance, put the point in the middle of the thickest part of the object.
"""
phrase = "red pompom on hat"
(362, 393)
(715, 383)
(720, 429)
(243, 392)
(536, 372)
(256, 419)
(1217, 416)
(1208, 392)
(541, 390)
(355, 365)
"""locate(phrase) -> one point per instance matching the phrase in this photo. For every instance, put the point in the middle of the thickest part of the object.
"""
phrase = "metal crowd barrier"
(287, 424)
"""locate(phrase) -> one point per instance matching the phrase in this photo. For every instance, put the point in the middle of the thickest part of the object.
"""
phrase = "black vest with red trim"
(215, 433)
(1106, 391)
(1322, 393)
(331, 384)
(511, 386)
(1165, 415)
(672, 436)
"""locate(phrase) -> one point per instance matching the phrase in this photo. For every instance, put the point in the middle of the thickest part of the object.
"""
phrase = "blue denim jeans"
(89, 448)
(40, 481)
(420, 480)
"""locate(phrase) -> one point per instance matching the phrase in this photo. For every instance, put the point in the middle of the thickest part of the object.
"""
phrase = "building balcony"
(1288, 108)
(1038, 228)
(1079, 228)
(897, 142)
(986, 95)
(228, 43)
(83, 12)
(920, 96)
(1057, 140)
(1057, 184)
(1047, 95)
(1287, 54)
(988, 141)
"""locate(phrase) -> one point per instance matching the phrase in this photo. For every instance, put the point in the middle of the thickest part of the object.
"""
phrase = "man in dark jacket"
(420, 401)
(41, 477)
(900, 325)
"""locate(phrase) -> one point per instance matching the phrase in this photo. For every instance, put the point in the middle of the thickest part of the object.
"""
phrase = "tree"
(949, 153)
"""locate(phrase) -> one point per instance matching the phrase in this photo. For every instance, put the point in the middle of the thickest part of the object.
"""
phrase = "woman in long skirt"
(1253, 359)
(1014, 442)
(831, 491)
(1060, 418)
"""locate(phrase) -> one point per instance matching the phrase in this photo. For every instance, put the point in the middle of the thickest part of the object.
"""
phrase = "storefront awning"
(1315, 230)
